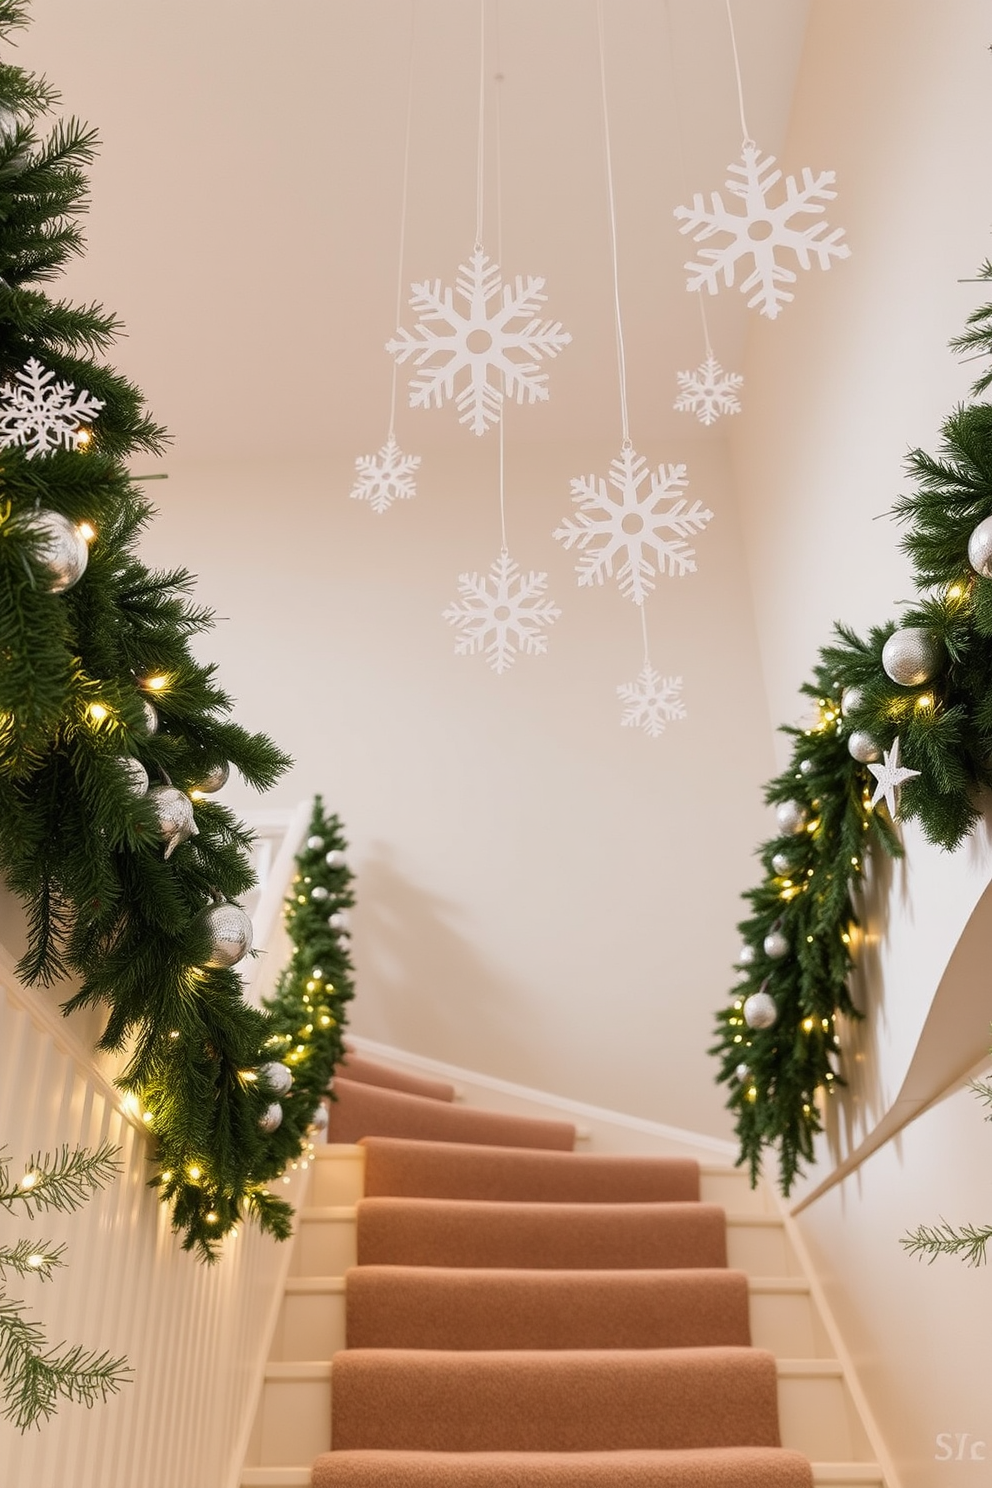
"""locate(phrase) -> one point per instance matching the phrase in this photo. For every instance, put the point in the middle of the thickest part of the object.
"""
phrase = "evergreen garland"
(309, 1005)
(98, 684)
(34, 1377)
(779, 1074)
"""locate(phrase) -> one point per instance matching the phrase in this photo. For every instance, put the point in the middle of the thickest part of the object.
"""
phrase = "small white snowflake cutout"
(890, 775)
(761, 229)
(39, 414)
(385, 477)
(647, 527)
(652, 701)
(709, 391)
(501, 613)
(492, 346)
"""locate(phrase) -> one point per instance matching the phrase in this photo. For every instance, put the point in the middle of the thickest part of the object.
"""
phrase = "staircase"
(517, 1314)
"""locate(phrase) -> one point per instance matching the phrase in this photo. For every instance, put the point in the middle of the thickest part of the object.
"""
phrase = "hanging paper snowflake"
(709, 391)
(648, 527)
(496, 346)
(760, 229)
(39, 414)
(385, 477)
(501, 613)
(652, 701)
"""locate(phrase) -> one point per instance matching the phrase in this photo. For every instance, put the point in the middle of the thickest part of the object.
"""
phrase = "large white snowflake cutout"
(648, 527)
(501, 613)
(491, 348)
(760, 229)
(39, 414)
(385, 477)
(709, 391)
(652, 701)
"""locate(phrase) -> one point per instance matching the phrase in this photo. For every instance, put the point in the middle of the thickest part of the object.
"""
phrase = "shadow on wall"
(423, 986)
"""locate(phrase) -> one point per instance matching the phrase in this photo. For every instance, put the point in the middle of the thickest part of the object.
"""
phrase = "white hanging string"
(621, 356)
(480, 145)
(403, 205)
(681, 153)
(644, 633)
(747, 140)
(499, 259)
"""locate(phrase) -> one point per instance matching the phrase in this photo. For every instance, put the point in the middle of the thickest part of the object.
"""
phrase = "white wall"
(896, 97)
(543, 895)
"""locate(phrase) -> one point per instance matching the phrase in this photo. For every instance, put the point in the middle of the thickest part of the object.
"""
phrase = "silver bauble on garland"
(320, 893)
(850, 699)
(135, 775)
(62, 550)
(862, 747)
(980, 549)
(781, 864)
(742, 1072)
(339, 922)
(806, 767)
(271, 1118)
(776, 945)
(151, 716)
(315, 843)
(320, 1118)
(791, 817)
(213, 779)
(279, 1076)
(335, 858)
(222, 935)
(747, 955)
(760, 1010)
(911, 656)
(175, 816)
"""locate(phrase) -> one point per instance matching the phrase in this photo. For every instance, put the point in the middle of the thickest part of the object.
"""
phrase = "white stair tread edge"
(809, 1368)
(350, 1211)
(328, 1211)
(796, 1286)
(318, 1369)
(312, 1286)
(304, 1370)
(754, 1221)
(825, 1475)
(833, 1474)
(338, 1152)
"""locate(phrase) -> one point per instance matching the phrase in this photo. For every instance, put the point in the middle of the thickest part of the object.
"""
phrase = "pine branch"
(930, 1241)
(62, 1180)
(33, 1378)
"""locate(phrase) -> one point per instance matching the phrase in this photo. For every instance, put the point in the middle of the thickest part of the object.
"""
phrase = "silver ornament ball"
(62, 550)
(338, 921)
(213, 779)
(980, 549)
(805, 767)
(862, 747)
(320, 1118)
(742, 1072)
(315, 843)
(319, 893)
(910, 656)
(747, 954)
(135, 775)
(850, 699)
(271, 1118)
(781, 864)
(760, 1010)
(335, 858)
(791, 817)
(151, 716)
(776, 945)
(222, 935)
(279, 1076)
(174, 810)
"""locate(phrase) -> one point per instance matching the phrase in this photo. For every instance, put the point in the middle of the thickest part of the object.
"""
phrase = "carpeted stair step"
(360, 1110)
(370, 1072)
(560, 1401)
(718, 1467)
(439, 1308)
(445, 1170)
(583, 1237)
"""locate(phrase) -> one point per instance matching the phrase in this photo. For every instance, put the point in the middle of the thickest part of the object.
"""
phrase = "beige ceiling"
(246, 205)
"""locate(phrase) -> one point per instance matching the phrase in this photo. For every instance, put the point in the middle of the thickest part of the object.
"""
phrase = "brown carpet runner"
(524, 1317)
(369, 1072)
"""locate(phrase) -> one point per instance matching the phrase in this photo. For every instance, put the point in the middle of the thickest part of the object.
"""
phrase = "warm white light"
(36, 1260)
(29, 1180)
(155, 684)
(97, 712)
(195, 1173)
(86, 532)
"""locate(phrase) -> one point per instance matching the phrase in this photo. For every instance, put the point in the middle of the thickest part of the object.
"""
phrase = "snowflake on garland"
(385, 477)
(652, 701)
(39, 414)
(709, 391)
(761, 229)
(481, 340)
(648, 527)
(501, 613)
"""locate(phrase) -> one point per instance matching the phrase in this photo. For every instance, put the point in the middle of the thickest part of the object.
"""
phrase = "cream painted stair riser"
(818, 1408)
